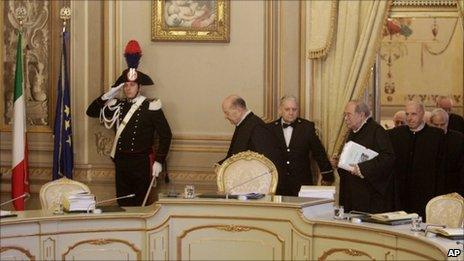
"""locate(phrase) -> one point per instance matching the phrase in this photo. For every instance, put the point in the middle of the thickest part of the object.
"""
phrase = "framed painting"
(190, 20)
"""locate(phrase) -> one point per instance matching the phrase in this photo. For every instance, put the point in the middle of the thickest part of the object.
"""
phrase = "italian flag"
(19, 173)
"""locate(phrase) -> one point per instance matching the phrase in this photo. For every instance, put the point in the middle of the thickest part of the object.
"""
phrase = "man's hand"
(157, 168)
(112, 92)
(326, 183)
(334, 161)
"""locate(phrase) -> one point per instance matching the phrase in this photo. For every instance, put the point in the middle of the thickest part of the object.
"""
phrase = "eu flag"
(63, 149)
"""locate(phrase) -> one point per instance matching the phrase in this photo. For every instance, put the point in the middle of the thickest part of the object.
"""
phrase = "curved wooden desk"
(273, 228)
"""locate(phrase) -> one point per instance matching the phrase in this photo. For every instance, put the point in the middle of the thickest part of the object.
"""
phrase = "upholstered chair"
(247, 172)
(446, 210)
(51, 193)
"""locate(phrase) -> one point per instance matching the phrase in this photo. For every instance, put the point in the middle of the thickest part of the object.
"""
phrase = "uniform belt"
(136, 152)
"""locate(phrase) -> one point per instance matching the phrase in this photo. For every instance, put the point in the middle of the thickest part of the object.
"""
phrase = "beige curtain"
(461, 12)
(344, 72)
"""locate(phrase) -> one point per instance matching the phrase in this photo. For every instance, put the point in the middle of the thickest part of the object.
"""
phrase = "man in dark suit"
(455, 122)
(454, 154)
(250, 132)
(297, 142)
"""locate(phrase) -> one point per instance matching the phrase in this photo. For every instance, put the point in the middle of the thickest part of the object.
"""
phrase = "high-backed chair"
(51, 193)
(247, 172)
(446, 210)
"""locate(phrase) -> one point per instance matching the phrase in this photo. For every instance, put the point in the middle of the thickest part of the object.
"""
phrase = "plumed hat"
(132, 53)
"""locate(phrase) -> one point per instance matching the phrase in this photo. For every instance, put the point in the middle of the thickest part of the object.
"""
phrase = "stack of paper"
(78, 201)
(6, 213)
(354, 153)
(317, 192)
(457, 233)
(392, 216)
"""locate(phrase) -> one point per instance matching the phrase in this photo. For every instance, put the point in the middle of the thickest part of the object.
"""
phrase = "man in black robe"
(365, 187)
(455, 122)
(419, 158)
(250, 132)
(298, 142)
(454, 153)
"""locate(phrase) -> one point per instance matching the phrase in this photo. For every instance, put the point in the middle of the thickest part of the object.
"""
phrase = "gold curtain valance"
(322, 23)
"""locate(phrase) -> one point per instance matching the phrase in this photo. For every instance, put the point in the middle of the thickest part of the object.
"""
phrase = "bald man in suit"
(250, 132)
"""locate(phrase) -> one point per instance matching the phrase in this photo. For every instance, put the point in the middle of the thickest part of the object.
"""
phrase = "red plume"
(132, 47)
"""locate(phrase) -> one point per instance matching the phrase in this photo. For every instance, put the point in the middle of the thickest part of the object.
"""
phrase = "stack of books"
(7, 213)
(451, 233)
(79, 201)
(390, 218)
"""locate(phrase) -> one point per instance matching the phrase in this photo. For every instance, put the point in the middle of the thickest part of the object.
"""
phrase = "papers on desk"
(317, 192)
(393, 216)
(78, 201)
(354, 153)
(6, 213)
(387, 218)
(452, 233)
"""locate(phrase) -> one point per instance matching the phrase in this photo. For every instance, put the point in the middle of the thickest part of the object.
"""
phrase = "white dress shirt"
(287, 133)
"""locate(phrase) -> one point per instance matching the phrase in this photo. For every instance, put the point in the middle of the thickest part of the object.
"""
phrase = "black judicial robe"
(454, 162)
(456, 122)
(370, 194)
(297, 166)
(418, 167)
(252, 134)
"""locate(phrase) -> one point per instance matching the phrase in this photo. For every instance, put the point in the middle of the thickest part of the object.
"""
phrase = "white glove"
(112, 92)
(157, 168)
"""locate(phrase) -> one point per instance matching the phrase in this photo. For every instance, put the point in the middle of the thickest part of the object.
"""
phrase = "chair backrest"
(51, 193)
(446, 210)
(247, 172)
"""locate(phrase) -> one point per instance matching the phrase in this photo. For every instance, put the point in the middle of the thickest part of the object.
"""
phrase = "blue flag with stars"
(63, 162)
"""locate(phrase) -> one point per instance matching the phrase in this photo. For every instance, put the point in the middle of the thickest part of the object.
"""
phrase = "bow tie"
(285, 125)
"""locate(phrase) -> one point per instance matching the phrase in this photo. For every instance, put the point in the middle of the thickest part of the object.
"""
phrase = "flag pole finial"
(21, 14)
(65, 15)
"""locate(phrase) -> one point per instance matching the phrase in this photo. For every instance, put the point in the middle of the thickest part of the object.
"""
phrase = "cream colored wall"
(261, 62)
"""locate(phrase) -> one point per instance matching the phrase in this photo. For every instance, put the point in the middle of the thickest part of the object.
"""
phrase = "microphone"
(246, 182)
(25, 195)
(106, 201)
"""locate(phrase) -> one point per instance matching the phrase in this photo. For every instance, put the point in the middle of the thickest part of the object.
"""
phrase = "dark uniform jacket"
(252, 134)
(296, 157)
(454, 162)
(418, 166)
(371, 193)
(456, 122)
(138, 136)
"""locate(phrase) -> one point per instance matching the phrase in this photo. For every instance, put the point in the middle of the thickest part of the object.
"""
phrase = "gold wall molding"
(425, 3)
(104, 241)
(20, 249)
(348, 251)
(192, 176)
(233, 228)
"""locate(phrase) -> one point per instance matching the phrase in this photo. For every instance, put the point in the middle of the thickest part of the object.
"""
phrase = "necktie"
(285, 125)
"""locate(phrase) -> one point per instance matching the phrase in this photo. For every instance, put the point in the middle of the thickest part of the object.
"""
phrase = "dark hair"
(239, 102)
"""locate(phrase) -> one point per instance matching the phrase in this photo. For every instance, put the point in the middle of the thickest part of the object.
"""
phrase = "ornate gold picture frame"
(190, 20)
